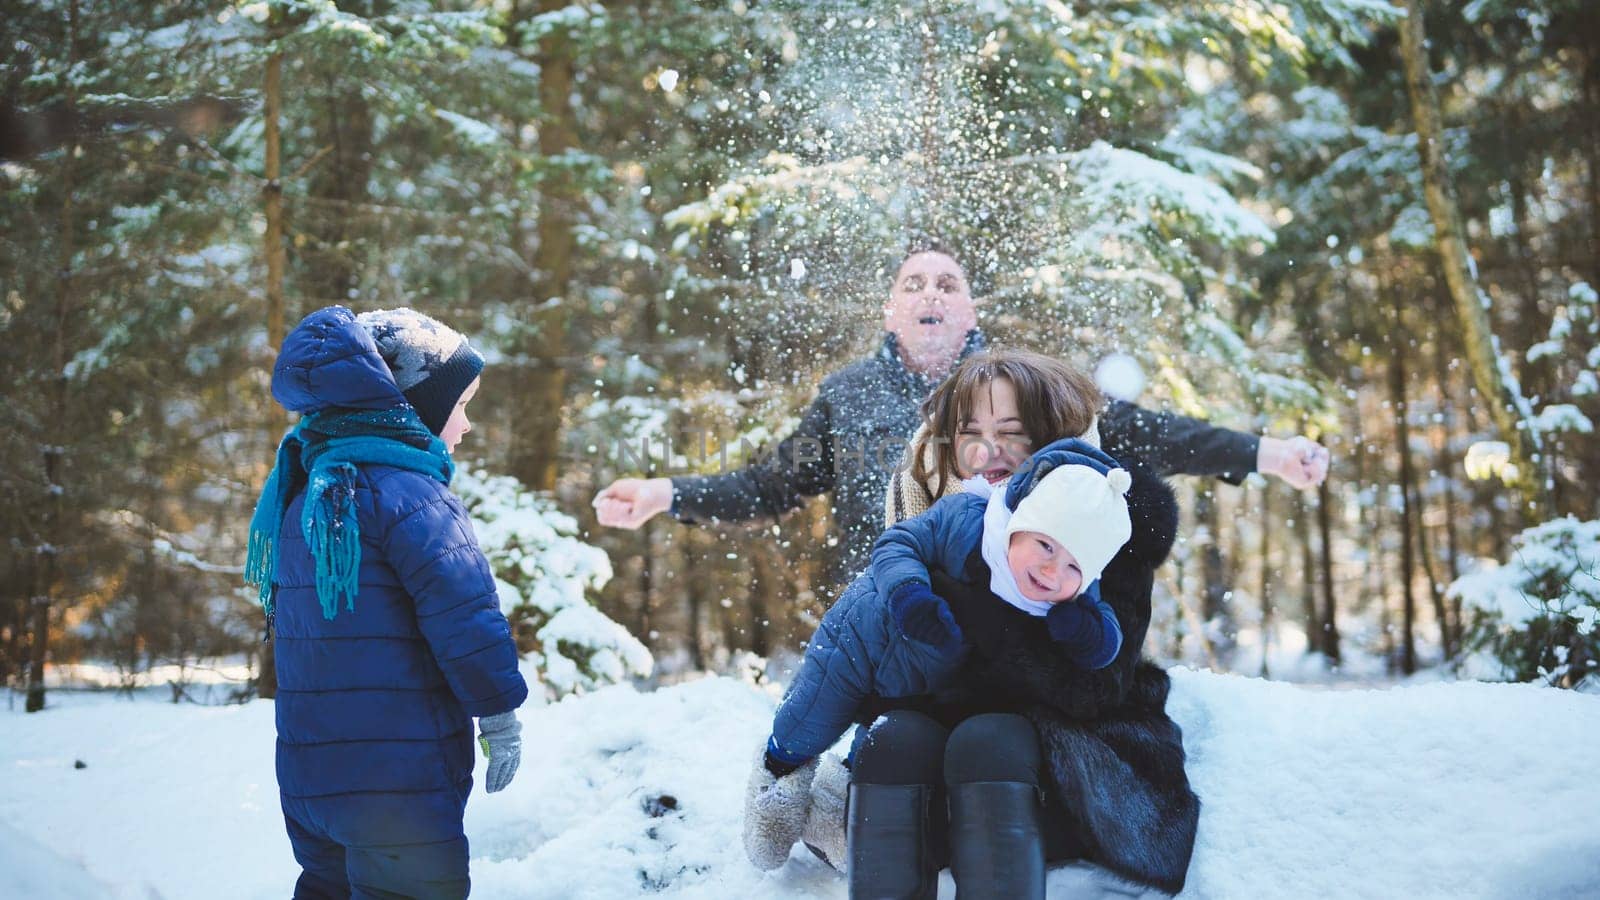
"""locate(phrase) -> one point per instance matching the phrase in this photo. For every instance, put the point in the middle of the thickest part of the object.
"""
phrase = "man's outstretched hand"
(631, 502)
(1301, 462)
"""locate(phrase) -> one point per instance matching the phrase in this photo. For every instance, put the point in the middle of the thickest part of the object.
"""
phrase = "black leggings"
(905, 747)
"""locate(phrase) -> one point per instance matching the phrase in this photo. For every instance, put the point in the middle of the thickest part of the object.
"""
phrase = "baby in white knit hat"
(1045, 536)
(1062, 535)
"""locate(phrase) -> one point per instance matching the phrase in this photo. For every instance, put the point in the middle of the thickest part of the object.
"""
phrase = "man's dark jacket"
(855, 431)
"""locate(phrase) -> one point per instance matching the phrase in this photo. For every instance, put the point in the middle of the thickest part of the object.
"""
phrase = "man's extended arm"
(800, 467)
(1177, 445)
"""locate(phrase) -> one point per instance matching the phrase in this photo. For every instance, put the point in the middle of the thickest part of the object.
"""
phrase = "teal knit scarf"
(321, 453)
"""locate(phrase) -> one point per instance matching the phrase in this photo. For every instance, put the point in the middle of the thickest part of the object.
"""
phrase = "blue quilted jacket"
(858, 654)
(374, 706)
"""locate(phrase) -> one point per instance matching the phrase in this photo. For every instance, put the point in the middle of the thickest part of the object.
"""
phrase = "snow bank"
(1436, 790)
(173, 800)
(29, 869)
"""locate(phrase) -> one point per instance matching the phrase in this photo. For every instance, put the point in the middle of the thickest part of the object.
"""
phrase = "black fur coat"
(1115, 759)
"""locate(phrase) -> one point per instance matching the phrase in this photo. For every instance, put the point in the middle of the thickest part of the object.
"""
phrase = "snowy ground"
(1436, 790)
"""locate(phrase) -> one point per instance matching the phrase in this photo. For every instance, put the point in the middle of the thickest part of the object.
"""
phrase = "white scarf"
(995, 542)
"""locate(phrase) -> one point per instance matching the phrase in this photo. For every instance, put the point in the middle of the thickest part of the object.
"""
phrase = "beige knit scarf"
(907, 496)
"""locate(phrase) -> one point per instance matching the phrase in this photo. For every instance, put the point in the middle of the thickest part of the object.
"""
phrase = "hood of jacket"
(329, 360)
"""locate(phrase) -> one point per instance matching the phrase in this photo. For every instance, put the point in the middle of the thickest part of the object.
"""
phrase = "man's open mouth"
(931, 320)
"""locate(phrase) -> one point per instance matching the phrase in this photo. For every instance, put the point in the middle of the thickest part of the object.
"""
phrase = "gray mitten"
(824, 829)
(500, 736)
(775, 811)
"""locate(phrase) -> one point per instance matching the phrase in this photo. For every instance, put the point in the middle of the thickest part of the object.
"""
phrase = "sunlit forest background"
(666, 221)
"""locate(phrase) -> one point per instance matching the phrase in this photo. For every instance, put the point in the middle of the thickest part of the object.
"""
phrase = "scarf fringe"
(333, 533)
(259, 565)
(261, 560)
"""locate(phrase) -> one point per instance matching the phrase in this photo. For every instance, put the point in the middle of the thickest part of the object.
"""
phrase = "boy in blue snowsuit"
(1045, 537)
(387, 628)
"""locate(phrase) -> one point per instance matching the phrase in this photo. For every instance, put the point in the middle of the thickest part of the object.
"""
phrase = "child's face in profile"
(457, 426)
(1044, 570)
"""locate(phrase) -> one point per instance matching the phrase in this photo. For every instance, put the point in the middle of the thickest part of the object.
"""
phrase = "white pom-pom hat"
(1082, 510)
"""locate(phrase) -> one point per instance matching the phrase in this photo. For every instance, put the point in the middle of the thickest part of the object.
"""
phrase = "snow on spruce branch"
(474, 132)
(785, 175)
(414, 33)
(569, 18)
(1535, 616)
(545, 574)
(1117, 178)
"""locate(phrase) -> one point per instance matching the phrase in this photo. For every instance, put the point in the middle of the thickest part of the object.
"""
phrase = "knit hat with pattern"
(431, 362)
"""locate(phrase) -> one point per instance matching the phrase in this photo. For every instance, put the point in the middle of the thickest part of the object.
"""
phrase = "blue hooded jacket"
(858, 652)
(374, 705)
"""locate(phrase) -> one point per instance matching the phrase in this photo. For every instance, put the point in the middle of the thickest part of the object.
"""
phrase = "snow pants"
(341, 865)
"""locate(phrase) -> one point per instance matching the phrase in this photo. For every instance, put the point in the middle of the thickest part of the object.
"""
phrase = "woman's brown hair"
(1055, 400)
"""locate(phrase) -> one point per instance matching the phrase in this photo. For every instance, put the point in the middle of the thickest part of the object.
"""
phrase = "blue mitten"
(501, 739)
(922, 615)
(1087, 628)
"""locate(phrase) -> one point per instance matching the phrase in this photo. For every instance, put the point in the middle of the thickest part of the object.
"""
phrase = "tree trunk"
(1233, 562)
(1532, 323)
(1591, 93)
(1430, 571)
(647, 584)
(1508, 409)
(1370, 525)
(1266, 576)
(1425, 547)
(45, 572)
(1192, 621)
(1457, 629)
(337, 189)
(764, 589)
(14, 623)
(1330, 627)
(1214, 593)
(1308, 318)
(1452, 606)
(535, 442)
(695, 595)
(1397, 400)
(1308, 574)
(55, 526)
(729, 612)
(272, 200)
(1444, 461)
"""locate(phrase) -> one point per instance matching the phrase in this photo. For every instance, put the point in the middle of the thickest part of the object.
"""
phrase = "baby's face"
(1044, 569)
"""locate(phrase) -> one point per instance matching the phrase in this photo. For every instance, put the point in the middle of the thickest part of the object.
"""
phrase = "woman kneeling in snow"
(1038, 749)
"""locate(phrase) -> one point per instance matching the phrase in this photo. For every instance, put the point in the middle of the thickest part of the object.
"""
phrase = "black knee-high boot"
(889, 837)
(996, 841)
(992, 765)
